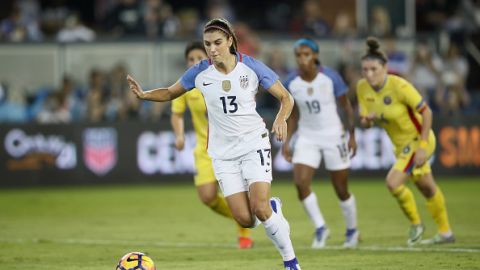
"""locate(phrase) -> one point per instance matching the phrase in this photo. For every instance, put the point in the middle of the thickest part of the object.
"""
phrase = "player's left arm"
(427, 119)
(347, 107)
(414, 101)
(340, 90)
(286, 104)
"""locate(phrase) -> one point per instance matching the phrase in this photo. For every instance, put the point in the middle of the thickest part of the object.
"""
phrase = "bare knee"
(391, 186)
(303, 187)
(208, 193)
(340, 184)
(303, 192)
(262, 209)
(244, 219)
(342, 194)
(395, 179)
(303, 175)
(426, 186)
(428, 192)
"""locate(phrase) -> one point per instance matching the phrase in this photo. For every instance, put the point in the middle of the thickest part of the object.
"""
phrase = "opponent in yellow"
(395, 105)
(204, 177)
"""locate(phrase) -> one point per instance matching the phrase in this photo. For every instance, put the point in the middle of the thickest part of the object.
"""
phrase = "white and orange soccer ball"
(135, 261)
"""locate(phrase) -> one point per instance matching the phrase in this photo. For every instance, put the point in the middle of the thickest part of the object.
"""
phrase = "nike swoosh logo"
(206, 84)
(267, 170)
(275, 232)
(129, 259)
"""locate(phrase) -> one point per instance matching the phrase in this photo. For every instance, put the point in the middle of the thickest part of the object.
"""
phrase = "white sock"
(349, 210)
(310, 205)
(276, 229)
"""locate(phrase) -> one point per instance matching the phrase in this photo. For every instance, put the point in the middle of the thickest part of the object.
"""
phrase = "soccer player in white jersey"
(238, 141)
(321, 134)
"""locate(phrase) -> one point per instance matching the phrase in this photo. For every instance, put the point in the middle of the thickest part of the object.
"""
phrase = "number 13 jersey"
(235, 127)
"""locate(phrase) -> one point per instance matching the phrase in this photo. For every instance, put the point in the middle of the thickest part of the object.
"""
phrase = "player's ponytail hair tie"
(306, 42)
(220, 24)
(374, 52)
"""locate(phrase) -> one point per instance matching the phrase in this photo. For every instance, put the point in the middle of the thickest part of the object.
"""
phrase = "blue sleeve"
(188, 78)
(266, 76)
(292, 75)
(339, 86)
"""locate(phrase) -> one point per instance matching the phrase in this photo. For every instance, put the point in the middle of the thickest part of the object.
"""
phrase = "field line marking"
(223, 245)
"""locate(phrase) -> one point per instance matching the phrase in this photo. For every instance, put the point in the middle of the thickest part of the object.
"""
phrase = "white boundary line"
(220, 245)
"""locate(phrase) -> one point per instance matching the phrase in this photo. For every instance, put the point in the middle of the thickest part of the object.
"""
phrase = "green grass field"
(92, 227)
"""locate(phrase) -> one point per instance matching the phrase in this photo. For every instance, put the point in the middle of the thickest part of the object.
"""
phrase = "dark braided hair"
(373, 51)
(222, 25)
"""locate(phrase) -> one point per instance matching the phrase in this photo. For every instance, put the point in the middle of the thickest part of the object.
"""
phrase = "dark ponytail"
(222, 25)
(374, 52)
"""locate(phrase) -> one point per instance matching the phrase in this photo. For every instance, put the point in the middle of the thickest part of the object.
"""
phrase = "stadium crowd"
(440, 67)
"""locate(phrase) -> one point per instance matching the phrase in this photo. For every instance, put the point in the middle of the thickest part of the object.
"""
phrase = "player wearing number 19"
(321, 134)
(238, 141)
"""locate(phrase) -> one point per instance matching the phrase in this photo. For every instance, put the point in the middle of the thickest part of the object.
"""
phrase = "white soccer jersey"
(316, 102)
(234, 124)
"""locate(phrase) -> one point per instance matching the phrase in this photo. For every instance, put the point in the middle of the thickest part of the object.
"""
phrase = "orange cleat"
(245, 242)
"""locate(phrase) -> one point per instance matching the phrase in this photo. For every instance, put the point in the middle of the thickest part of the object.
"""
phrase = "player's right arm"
(178, 129)
(366, 119)
(179, 107)
(158, 94)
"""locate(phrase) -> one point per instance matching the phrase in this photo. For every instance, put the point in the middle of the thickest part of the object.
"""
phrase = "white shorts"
(334, 150)
(236, 175)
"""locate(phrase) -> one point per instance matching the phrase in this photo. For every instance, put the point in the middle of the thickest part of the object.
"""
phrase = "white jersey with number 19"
(316, 102)
(234, 124)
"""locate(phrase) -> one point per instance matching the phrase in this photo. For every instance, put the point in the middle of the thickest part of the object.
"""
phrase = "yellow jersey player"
(204, 177)
(396, 106)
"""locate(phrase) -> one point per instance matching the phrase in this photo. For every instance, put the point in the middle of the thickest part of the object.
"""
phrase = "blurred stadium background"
(68, 120)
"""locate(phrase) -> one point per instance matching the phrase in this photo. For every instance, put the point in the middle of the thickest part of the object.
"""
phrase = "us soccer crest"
(226, 85)
(310, 91)
(244, 81)
(100, 149)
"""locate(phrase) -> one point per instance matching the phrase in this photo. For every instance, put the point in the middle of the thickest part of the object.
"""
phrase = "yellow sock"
(243, 232)
(219, 205)
(407, 203)
(437, 208)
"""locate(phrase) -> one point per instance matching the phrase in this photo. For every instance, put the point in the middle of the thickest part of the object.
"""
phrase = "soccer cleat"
(415, 234)
(276, 204)
(320, 238)
(292, 265)
(439, 239)
(245, 242)
(352, 237)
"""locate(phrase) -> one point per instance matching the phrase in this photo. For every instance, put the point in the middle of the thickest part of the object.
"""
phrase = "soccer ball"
(135, 261)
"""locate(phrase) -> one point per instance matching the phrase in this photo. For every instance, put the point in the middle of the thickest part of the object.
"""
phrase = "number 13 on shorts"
(265, 158)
